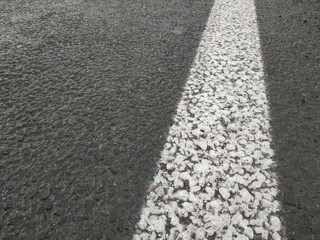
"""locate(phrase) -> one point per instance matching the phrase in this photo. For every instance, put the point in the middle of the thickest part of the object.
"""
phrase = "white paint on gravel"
(216, 178)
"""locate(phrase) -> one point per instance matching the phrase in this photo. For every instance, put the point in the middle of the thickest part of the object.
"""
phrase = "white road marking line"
(216, 174)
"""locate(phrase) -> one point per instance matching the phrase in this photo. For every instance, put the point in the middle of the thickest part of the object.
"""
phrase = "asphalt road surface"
(179, 119)
(290, 42)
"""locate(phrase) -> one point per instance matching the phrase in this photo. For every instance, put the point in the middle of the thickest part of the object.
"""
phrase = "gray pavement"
(290, 42)
(88, 90)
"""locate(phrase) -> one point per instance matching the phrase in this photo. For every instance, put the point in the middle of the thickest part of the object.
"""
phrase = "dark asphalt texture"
(290, 41)
(88, 90)
(87, 93)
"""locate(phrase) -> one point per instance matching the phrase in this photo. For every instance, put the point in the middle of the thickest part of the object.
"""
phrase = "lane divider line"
(216, 176)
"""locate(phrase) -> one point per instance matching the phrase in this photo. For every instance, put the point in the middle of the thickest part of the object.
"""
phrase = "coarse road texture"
(216, 176)
(290, 42)
(88, 91)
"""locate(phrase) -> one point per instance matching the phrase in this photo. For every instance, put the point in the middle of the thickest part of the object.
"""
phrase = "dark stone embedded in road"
(290, 41)
(87, 90)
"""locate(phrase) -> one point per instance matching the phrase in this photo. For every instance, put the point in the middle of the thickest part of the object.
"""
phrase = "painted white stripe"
(216, 174)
